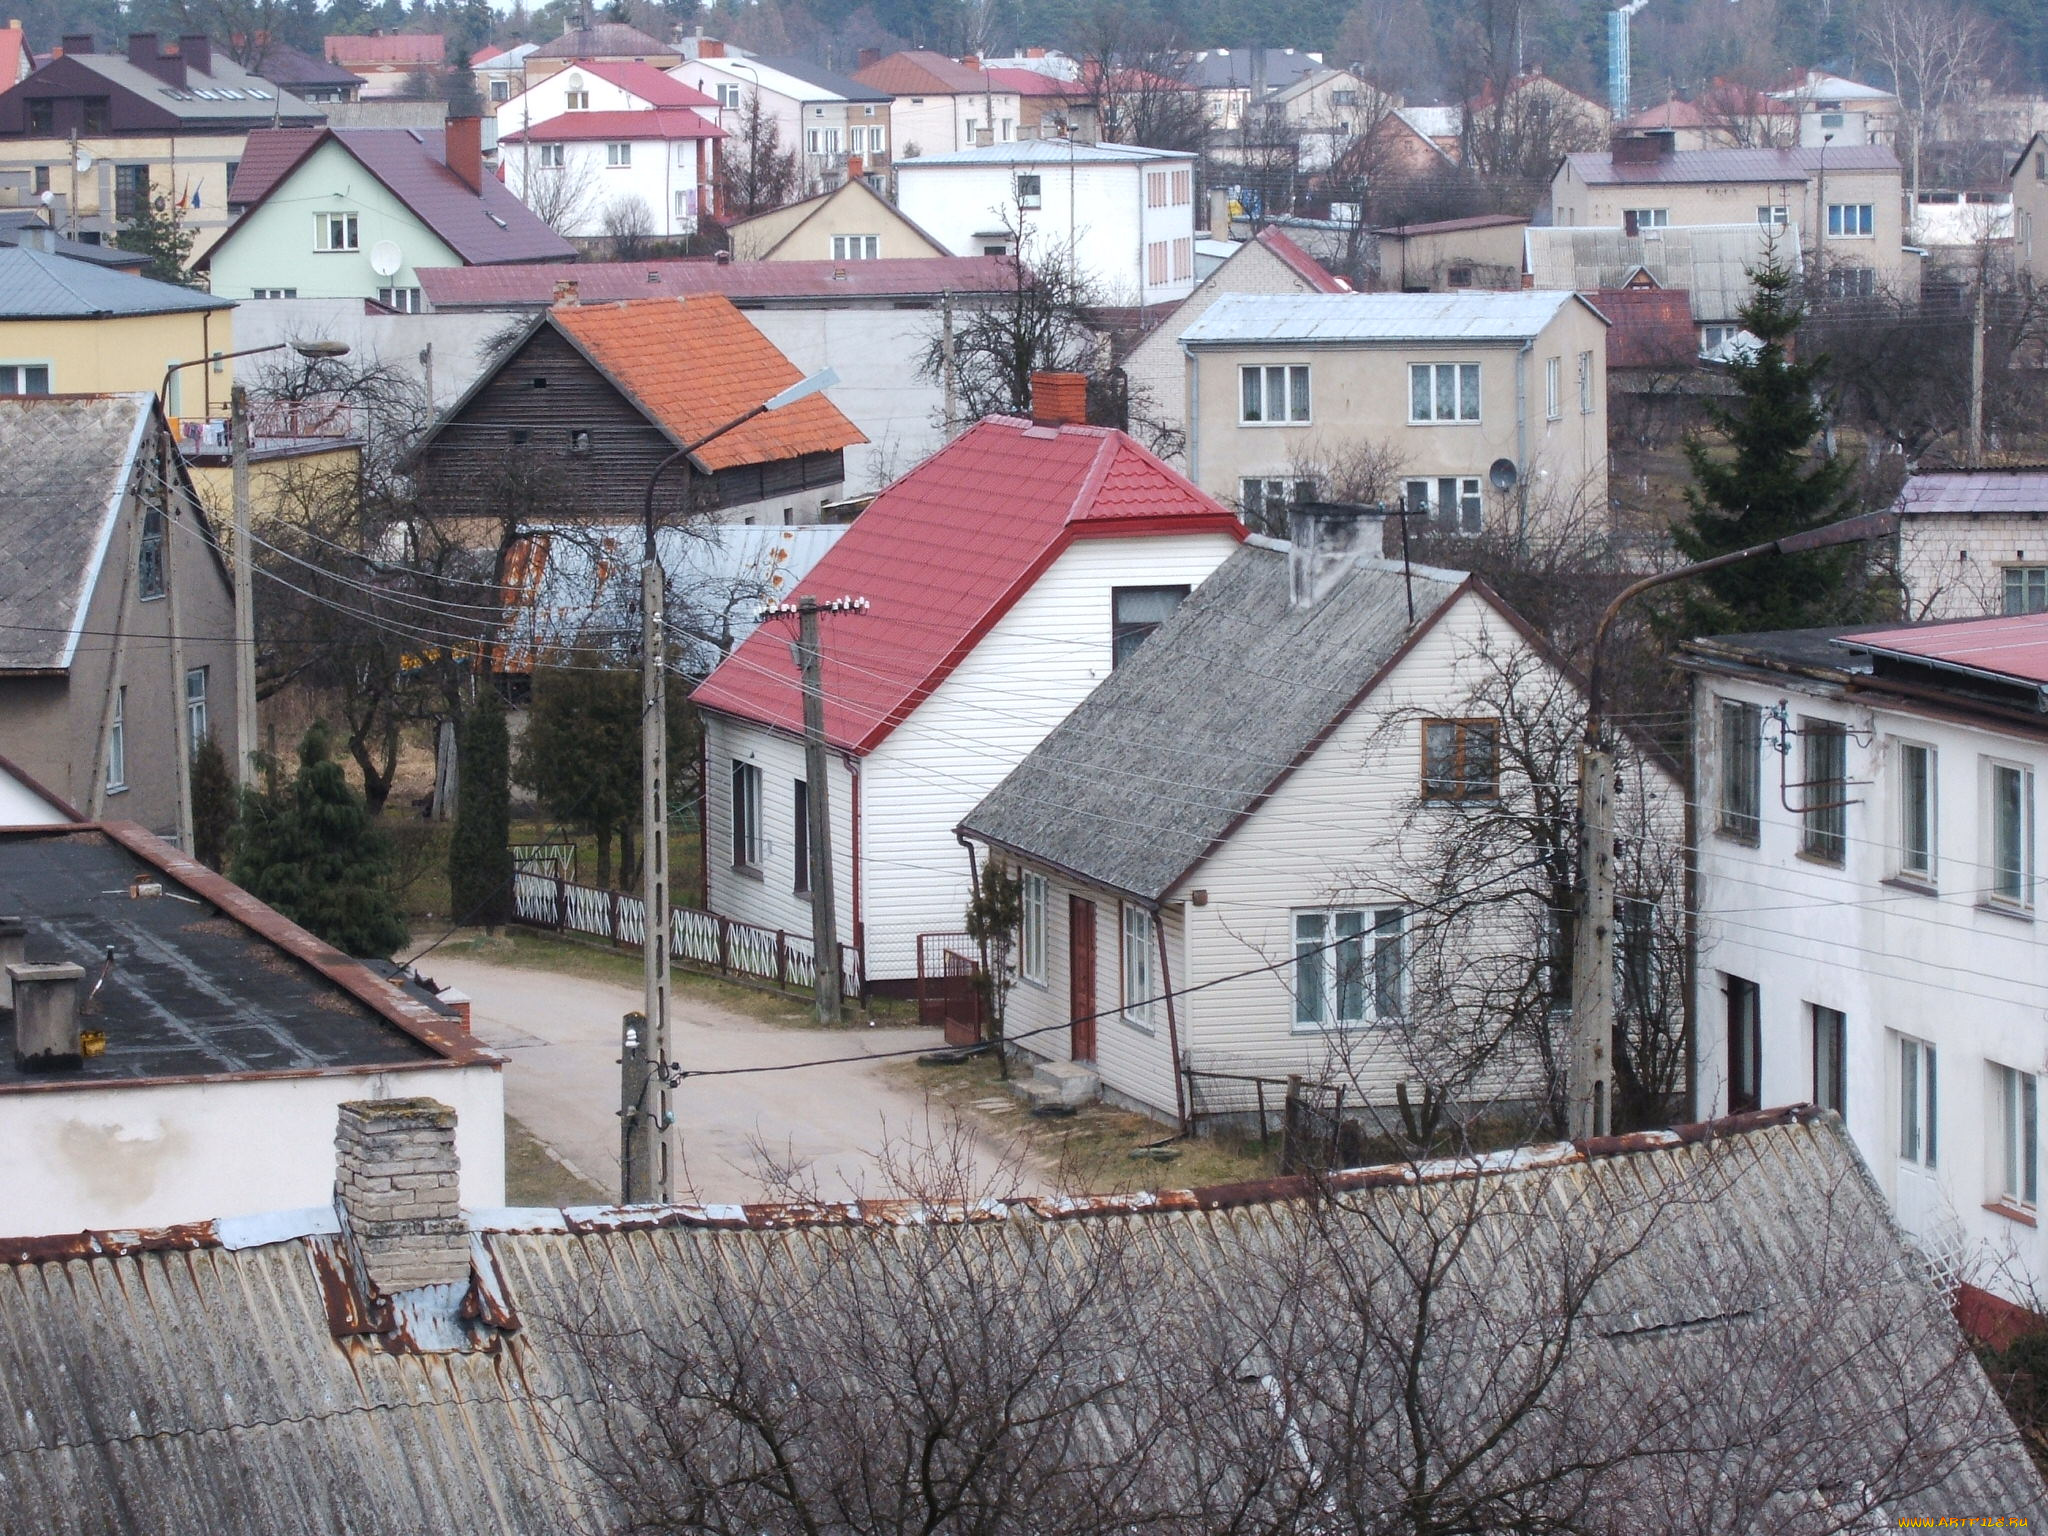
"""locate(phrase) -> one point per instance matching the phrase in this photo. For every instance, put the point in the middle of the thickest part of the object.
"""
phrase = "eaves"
(1839, 683)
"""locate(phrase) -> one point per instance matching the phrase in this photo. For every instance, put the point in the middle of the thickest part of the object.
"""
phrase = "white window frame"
(1841, 215)
(1773, 215)
(117, 744)
(1649, 218)
(1031, 927)
(1919, 1137)
(1138, 969)
(407, 301)
(1916, 798)
(856, 247)
(1467, 386)
(1553, 388)
(1297, 392)
(14, 378)
(618, 154)
(273, 293)
(196, 730)
(2018, 1121)
(327, 225)
(1030, 186)
(1372, 941)
(575, 101)
(554, 157)
(1427, 495)
(728, 93)
(745, 808)
(2010, 873)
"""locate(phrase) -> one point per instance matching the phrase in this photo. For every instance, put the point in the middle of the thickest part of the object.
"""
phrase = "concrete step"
(1071, 1082)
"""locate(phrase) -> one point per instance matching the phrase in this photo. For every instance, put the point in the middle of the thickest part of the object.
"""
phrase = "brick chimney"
(1325, 539)
(398, 1195)
(1641, 148)
(46, 1037)
(465, 151)
(196, 49)
(1059, 399)
(710, 48)
(77, 42)
(144, 54)
(972, 61)
(568, 293)
(868, 56)
(856, 167)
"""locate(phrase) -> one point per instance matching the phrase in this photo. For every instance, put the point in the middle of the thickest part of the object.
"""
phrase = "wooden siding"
(768, 899)
(548, 391)
(1041, 659)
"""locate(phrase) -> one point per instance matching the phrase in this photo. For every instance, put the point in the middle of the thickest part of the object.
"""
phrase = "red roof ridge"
(1299, 260)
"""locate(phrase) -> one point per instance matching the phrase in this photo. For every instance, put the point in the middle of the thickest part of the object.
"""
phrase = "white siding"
(768, 899)
(1943, 968)
(1039, 660)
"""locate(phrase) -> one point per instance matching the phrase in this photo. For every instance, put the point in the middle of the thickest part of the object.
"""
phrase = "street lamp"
(643, 1142)
(1590, 1063)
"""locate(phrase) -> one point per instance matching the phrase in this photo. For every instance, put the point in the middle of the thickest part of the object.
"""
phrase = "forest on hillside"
(1423, 48)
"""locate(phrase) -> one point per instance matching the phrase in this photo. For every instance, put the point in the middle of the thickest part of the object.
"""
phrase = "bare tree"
(559, 195)
(755, 173)
(1134, 83)
(628, 227)
(1935, 52)
(1039, 323)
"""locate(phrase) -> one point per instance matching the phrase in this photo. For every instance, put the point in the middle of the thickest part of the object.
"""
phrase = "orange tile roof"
(692, 365)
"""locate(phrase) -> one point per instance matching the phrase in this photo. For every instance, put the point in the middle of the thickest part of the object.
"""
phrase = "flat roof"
(2011, 647)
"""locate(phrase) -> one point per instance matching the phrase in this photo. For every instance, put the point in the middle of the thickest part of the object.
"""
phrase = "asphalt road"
(837, 1132)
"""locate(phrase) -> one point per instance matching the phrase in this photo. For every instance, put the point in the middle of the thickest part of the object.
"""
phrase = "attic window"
(255, 94)
(540, 383)
(519, 435)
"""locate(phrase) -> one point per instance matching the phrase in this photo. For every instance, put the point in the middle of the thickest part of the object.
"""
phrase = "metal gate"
(947, 995)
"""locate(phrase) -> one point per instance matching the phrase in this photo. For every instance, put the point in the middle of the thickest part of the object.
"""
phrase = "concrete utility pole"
(1975, 454)
(1589, 1079)
(245, 594)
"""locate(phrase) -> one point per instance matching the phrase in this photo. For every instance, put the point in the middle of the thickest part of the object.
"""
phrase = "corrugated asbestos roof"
(1219, 702)
(942, 553)
(533, 283)
(1247, 319)
(1749, 1287)
(606, 40)
(1046, 152)
(1935, 492)
(1711, 262)
(1598, 168)
(42, 285)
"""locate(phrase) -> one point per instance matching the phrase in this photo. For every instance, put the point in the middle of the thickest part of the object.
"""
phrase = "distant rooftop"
(1046, 152)
(532, 285)
(1251, 318)
(1599, 168)
(2015, 488)
(42, 285)
(608, 40)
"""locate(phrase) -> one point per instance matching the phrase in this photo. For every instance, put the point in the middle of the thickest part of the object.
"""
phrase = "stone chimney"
(13, 951)
(397, 1192)
(1059, 399)
(36, 237)
(46, 1017)
(568, 293)
(196, 49)
(1325, 540)
(464, 140)
(456, 1002)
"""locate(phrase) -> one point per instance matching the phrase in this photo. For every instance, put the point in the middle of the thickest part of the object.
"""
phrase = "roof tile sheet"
(942, 554)
(658, 123)
(391, 48)
(655, 87)
(693, 365)
(2014, 646)
(1740, 166)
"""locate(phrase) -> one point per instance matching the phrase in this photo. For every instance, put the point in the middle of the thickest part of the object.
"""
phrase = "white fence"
(701, 938)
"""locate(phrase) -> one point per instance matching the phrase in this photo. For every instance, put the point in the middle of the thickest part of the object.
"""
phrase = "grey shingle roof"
(39, 285)
(233, 95)
(189, 1381)
(69, 459)
(1217, 704)
(1711, 262)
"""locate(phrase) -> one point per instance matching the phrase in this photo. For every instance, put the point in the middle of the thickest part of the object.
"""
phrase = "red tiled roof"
(14, 52)
(600, 282)
(481, 228)
(394, 48)
(1029, 82)
(920, 72)
(2015, 646)
(651, 85)
(942, 554)
(656, 123)
(1649, 327)
(1303, 265)
(694, 364)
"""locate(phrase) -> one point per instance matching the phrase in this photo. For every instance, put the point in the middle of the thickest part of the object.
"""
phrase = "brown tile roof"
(1599, 168)
(920, 72)
(266, 157)
(692, 365)
(1649, 327)
(1303, 265)
(396, 48)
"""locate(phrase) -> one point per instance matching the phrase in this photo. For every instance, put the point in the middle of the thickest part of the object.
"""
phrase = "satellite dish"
(85, 160)
(386, 259)
(1503, 475)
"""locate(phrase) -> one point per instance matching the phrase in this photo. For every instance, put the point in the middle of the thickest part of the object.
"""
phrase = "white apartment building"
(824, 119)
(1868, 899)
(1124, 215)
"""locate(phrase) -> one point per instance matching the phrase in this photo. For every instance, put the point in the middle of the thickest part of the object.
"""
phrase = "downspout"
(96, 804)
(860, 927)
(1194, 414)
(1180, 1101)
(1522, 443)
(1690, 1024)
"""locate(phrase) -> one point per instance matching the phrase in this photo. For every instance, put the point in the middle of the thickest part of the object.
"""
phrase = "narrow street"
(834, 1131)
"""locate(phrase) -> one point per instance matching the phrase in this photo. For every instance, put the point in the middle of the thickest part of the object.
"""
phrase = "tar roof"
(482, 228)
(1933, 492)
(206, 980)
(1176, 712)
(533, 284)
(188, 1379)
(42, 285)
(1046, 152)
(806, 73)
(1248, 319)
(1748, 166)
(943, 553)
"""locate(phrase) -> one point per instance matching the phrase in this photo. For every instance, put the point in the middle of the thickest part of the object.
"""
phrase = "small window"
(196, 728)
(539, 381)
(553, 157)
(131, 190)
(1635, 220)
(617, 155)
(1273, 396)
(2026, 589)
(2018, 1136)
(24, 378)
(1824, 790)
(1919, 1124)
(1831, 120)
(800, 836)
(856, 247)
(405, 300)
(1745, 1044)
(1458, 277)
(1553, 387)
(1830, 1058)
(1452, 503)
(1266, 499)
(1772, 215)
(149, 560)
(273, 293)
(1135, 612)
(519, 436)
(1586, 379)
(334, 232)
(746, 816)
(1140, 988)
(1742, 738)
(1916, 801)
(728, 94)
(42, 116)
(1443, 392)
(576, 101)
(1029, 194)
(501, 90)
(117, 744)
(1460, 759)
(579, 442)
(1031, 928)
(1350, 967)
(1849, 219)
(2012, 834)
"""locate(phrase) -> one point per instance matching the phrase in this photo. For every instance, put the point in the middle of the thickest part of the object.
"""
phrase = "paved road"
(838, 1127)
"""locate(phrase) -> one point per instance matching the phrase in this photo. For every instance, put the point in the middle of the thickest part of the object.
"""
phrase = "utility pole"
(1974, 456)
(245, 593)
(181, 720)
(826, 987)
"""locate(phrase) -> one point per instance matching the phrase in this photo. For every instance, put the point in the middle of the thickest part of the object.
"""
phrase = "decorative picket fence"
(704, 939)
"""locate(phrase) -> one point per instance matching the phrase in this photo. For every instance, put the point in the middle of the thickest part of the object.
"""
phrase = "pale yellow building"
(2030, 208)
(1480, 410)
(850, 223)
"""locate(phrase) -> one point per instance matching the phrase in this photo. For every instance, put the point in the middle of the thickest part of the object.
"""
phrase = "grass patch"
(535, 1176)
(1091, 1152)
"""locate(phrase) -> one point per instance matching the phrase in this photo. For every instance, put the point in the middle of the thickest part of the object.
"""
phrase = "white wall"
(99, 1156)
(1946, 968)
(658, 170)
(878, 353)
(457, 337)
(21, 806)
(707, 75)
(546, 100)
(1952, 565)
(1041, 659)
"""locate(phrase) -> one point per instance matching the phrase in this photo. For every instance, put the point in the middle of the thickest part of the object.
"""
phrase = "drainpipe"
(1522, 443)
(1194, 414)
(1180, 1101)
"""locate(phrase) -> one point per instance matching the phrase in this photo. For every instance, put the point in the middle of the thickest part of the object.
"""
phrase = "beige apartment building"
(1845, 200)
(1481, 410)
(2030, 208)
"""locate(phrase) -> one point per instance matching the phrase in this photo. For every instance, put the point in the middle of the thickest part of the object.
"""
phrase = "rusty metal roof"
(219, 1377)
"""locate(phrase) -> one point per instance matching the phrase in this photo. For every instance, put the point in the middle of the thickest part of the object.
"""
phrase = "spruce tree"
(157, 230)
(1757, 478)
(310, 850)
(581, 754)
(213, 804)
(480, 852)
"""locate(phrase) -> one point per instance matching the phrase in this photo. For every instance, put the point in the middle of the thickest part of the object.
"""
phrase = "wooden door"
(1081, 977)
